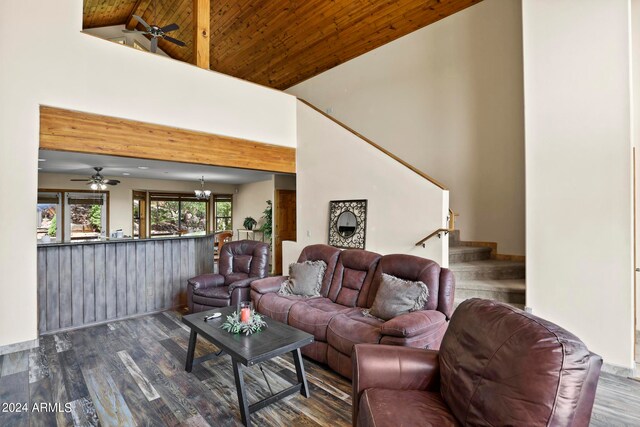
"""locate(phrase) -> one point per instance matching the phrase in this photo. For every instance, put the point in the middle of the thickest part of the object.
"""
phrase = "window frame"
(59, 212)
(222, 198)
(156, 196)
(63, 208)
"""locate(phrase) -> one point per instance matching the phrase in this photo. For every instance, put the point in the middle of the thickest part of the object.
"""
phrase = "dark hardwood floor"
(131, 372)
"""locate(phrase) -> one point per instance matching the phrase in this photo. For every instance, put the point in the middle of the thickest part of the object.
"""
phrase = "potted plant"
(268, 219)
(249, 223)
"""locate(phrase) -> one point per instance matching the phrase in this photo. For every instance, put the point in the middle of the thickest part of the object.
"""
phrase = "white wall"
(55, 64)
(251, 200)
(448, 99)
(578, 163)
(115, 32)
(120, 196)
(635, 66)
(334, 164)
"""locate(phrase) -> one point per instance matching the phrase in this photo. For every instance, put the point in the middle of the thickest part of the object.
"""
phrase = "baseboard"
(20, 346)
(504, 257)
(117, 319)
(618, 370)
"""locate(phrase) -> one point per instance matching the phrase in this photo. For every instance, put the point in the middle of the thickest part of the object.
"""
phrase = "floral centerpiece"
(244, 321)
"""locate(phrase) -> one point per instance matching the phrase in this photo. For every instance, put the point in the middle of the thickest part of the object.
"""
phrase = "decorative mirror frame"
(358, 238)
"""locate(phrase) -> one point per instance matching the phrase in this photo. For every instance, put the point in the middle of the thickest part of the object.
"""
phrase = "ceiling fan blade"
(176, 41)
(79, 180)
(111, 182)
(142, 21)
(154, 45)
(170, 27)
(134, 31)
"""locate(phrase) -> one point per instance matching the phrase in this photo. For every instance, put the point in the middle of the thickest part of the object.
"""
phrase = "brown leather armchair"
(496, 366)
(241, 262)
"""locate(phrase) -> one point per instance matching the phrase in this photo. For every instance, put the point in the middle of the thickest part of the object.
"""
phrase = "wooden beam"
(66, 130)
(131, 21)
(202, 23)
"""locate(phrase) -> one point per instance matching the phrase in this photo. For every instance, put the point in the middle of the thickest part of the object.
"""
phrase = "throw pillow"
(305, 279)
(396, 296)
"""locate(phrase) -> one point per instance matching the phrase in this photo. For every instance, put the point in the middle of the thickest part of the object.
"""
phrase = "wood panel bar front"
(90, 282)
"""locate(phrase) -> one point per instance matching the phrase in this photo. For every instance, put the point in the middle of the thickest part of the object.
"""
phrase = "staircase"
(477, 275)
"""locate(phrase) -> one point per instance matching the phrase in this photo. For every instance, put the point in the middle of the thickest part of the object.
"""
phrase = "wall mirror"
(347, 223)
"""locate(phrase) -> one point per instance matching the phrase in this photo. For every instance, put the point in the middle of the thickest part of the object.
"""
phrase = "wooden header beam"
(202, 23)
(66, 130)
(131, 21)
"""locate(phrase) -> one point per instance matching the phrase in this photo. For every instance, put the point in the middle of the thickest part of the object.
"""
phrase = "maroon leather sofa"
(349, 285)
(240, 263)
(497, 366)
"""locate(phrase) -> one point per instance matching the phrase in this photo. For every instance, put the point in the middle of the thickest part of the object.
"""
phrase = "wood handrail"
(373, 144)
(438, 231)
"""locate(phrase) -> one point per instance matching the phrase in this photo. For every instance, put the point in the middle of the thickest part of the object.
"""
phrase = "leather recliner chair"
(497, 365)
(241, 262)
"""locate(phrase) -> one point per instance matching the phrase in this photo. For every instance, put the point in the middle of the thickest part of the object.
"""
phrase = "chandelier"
(202, 194)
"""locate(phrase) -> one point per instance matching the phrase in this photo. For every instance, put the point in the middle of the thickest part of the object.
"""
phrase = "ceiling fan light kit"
(97, 181)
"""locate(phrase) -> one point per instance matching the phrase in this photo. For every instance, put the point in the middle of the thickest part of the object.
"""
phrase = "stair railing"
(450, 221)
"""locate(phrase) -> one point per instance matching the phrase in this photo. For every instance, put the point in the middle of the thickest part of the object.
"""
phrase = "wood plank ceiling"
(279, 43)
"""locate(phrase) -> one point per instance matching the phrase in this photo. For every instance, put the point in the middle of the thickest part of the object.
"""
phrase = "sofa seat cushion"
(277, 306)
(217, 296)
(313, 316)
(379, 407)
(212, 292)
(347, 329)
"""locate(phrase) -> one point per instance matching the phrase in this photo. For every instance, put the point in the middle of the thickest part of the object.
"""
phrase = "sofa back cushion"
(352, 277)
(502, 366)
(408, 267)
(326, 253)
(244, 257)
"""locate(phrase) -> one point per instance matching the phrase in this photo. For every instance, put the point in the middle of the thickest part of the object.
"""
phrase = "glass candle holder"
(244, 311)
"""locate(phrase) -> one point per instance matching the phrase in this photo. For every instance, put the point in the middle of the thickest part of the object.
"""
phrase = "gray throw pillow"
(396, 296)
(305, 279)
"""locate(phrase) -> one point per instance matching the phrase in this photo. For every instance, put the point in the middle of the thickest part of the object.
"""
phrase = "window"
(139, 215)
(223, 207)
(73, 215)
(49, 210)
(177, 214)
(85, 215)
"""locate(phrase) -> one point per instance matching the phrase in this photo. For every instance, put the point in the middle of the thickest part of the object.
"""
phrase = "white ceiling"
(114, 167)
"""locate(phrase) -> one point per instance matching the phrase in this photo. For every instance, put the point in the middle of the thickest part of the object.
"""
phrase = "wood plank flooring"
(131, 372)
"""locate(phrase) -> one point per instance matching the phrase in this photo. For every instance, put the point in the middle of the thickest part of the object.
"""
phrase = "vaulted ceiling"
(279, 43)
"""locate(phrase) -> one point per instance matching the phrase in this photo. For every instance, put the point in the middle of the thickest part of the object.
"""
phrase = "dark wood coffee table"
(275, 340)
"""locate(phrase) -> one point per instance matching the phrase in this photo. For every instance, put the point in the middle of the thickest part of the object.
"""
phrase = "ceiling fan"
(156, 33)
(97, 181)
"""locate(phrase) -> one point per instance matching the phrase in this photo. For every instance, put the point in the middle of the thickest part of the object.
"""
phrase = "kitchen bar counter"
(81, 283)
(124, 240)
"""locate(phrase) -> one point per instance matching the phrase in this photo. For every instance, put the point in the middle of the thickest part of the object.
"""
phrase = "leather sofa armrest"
(411, 324)
(268, 284)
(392, 367)
(244, 283)
(206, 281)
